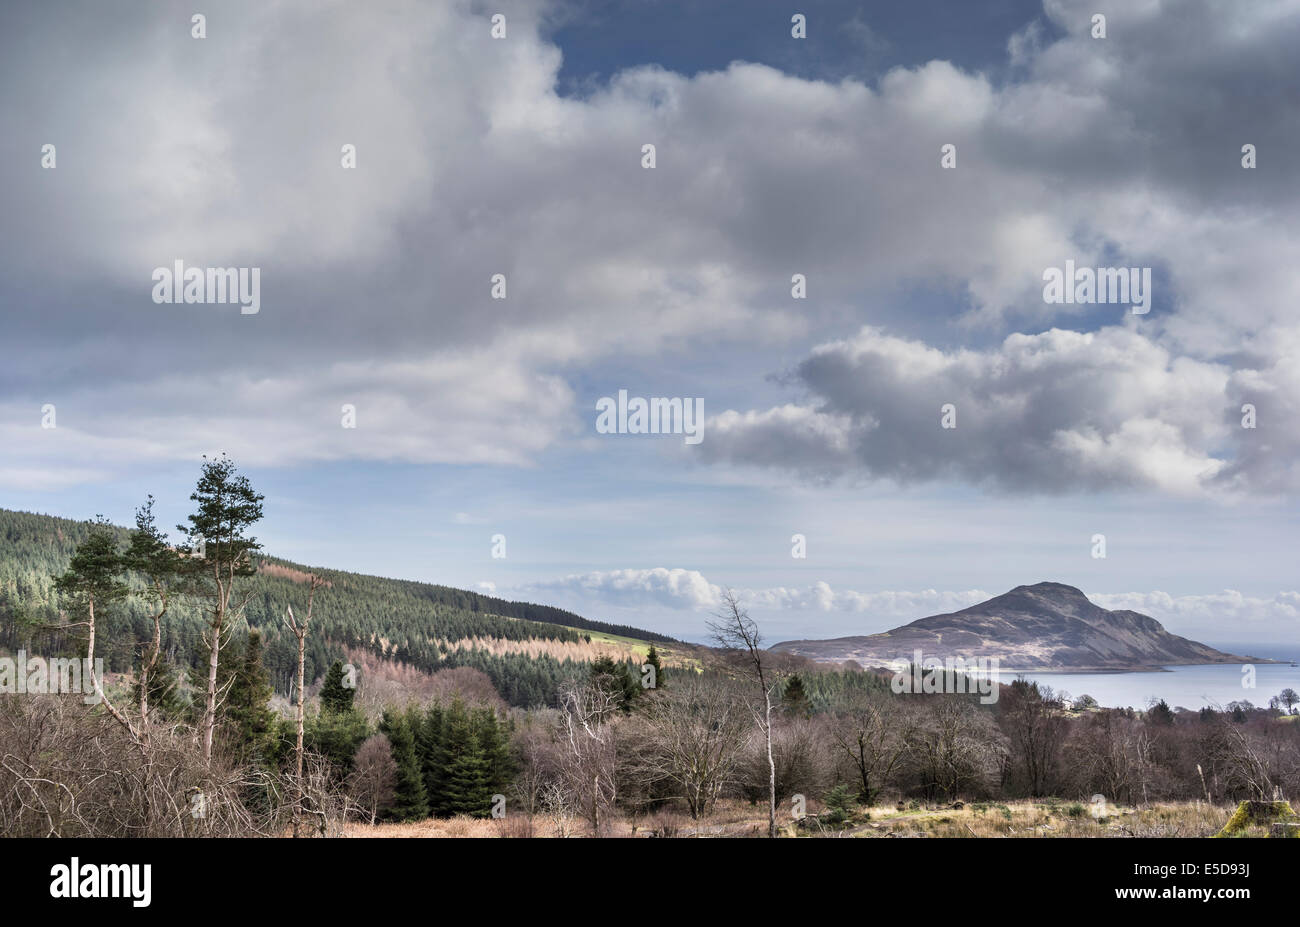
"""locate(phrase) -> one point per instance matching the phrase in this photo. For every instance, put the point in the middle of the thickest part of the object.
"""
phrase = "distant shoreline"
(1094, 670)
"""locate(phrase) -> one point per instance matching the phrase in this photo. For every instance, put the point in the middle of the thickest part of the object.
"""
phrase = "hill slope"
(427, 626)
(1044, 626)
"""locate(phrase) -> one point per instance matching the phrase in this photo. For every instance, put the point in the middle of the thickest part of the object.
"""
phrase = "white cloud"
(1057, 411)
(1225, 613)
(689, 589)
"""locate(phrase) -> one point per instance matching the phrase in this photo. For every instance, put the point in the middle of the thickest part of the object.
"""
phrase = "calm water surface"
(1191, 687)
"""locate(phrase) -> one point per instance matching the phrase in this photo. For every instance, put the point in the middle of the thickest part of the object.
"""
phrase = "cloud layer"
(226, 151)
(1221, 615)
(1057, 411)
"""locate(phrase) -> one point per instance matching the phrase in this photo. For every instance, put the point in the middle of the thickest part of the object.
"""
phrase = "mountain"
(1040, 627)
(525, 649)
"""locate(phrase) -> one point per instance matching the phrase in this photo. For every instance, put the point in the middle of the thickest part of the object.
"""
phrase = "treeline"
(694, 743)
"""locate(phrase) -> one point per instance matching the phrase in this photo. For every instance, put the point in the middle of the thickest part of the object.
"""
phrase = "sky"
(475, 418)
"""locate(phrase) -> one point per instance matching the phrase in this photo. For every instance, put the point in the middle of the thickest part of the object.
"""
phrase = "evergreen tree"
(494, 743)
(433, 757)
(218, 549)
(165, 695)
(1160, 713)
(616, 678)
(337, 736)
(246, 717)
(794, 698)
(409, 800)
(91, 581)
(652, 659)
(335, 697)
(465, 788)
(163, 570)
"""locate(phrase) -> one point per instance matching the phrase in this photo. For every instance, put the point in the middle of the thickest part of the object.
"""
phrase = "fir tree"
(652, 659)
(494, 742)
(335, 697)
(409, 800)
(165, 695)
(466, 788)
(337, 736)
(1160, 713)
(246, 717)
(616, 678)
(433, 757)
(794, 698)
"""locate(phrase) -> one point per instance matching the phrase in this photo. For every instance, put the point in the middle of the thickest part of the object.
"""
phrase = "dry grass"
(1044, 819)
(740, 819)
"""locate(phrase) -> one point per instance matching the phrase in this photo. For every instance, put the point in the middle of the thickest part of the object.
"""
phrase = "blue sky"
(776, 156)
(846, 40)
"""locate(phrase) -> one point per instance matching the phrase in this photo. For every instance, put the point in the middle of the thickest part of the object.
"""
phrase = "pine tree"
(465, 788)
(219, 549)
(494, 742)
(1160, 713)
(335, 697)
(795, 697)
(433, 757)
(652, 659)
(337, 736)
(246, 716)
(165, 696)
(409, 800)
(153, 559)
(616, 678)
(91, 580)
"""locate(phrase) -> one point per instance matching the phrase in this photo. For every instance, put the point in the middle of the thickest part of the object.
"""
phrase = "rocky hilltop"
(1046, 626)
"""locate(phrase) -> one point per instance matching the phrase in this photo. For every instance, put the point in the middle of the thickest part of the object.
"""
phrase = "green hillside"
(398, 619)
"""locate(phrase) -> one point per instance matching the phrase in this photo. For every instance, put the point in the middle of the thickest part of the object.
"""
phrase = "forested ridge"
(398, 619)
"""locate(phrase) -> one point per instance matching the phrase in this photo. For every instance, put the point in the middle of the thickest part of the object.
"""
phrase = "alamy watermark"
(181, 284)
(24, 675)
(1123, 285)
(951, 676)
(655, 416)
(76, 879)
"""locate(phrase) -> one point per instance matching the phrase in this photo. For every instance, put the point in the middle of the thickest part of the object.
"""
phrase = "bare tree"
(1234, 755)
(299, 631)
(958, 747)
(1032, 719)
(1113, 755)
(874, 741)
(68, 769)
(373, 776)
(587, 761)
(737, 634)
(694, 733)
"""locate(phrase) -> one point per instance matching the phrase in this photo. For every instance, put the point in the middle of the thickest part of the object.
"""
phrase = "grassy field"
(1020, 819)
